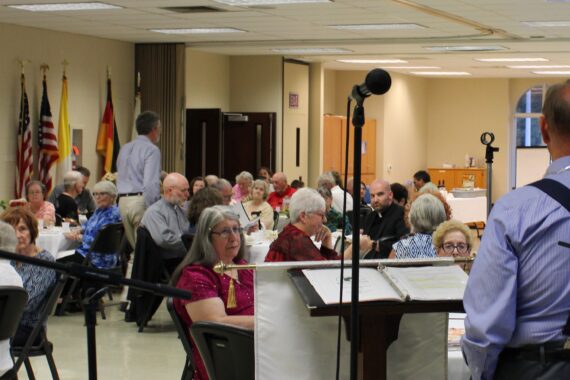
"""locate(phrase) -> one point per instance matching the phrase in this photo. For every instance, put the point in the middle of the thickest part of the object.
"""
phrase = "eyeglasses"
(450, 247)
(226, 232)
(99, 194)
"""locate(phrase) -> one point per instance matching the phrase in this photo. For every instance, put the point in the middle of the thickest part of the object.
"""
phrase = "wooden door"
(248, 143)
(203, 142)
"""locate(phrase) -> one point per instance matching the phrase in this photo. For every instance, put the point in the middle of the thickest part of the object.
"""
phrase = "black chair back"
(108, 239)
(184, 337)
(227, 350)
(12, 303)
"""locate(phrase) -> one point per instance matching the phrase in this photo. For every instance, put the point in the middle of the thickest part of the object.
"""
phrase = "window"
(527, 118)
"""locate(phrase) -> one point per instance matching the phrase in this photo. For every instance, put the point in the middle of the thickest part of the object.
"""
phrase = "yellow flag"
(63, 135)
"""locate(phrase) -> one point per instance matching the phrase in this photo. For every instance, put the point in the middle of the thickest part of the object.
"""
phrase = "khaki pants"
(132, 210)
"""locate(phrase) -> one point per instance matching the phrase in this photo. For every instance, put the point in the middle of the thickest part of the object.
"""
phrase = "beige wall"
(256, 86)
(459, 111)
(88, 58)
(402, 147)
(207, 80)
(296, 81)
(316, 111)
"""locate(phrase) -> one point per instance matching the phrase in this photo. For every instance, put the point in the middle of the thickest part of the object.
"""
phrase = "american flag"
(25, 159)
(47, 141)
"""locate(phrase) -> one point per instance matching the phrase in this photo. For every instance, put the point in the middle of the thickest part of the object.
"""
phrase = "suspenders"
(561, 194)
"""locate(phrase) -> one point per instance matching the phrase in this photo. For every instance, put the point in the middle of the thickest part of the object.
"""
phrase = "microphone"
(377, 82)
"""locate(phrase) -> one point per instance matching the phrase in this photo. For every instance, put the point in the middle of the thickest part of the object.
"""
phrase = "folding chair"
(12, 303)
(107, 241)
(227, 350)
(184, 337)
(44, 347)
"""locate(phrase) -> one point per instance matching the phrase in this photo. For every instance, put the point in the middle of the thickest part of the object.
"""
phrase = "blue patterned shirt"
(518, 291)
(415, 247)
(100, 218)
(38, 282)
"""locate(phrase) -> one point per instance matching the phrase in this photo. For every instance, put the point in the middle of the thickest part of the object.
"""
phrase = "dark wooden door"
(248, 143)
(203, 142)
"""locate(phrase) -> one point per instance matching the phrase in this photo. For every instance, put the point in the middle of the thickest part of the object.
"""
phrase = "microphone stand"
(93, 296)
(358, 122)
(487, 139)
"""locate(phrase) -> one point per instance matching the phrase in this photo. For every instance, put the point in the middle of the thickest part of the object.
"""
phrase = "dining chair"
(184, 337)
(227, 350)
(12, 303)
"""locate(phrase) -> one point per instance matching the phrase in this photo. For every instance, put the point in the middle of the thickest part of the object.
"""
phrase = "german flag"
(107, 138)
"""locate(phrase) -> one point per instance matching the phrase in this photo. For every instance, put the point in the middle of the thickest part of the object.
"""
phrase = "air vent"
(194, 9)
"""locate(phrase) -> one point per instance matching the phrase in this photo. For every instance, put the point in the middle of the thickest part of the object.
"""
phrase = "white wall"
(88, 58)
(207, 80)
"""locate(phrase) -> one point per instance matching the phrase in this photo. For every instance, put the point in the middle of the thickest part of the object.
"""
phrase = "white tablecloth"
(55, 242)
(468, 209)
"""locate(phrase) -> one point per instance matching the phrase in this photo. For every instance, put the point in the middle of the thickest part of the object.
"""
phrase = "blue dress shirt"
(518, 291)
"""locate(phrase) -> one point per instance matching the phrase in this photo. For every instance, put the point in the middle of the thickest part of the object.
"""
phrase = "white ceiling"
(446, 22)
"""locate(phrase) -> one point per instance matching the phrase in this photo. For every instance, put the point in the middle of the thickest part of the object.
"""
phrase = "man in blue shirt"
(518, 294)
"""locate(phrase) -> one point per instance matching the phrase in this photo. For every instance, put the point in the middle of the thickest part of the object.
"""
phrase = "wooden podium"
(379, 322)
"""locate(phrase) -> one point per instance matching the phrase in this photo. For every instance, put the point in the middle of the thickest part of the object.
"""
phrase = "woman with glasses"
(42, 209)
(452, 238)
(307, 212)
(107, 212)
(224, 298)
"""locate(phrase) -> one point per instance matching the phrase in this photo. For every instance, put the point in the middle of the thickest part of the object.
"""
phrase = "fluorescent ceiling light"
(64, 7)
(441, 73)
(371, 61)
(378, 27)
(547, 24)
(311, 51)
(198, 31)
(411, 67)
(465, 48)
(247, 3)
(552, 72)
(540, 67)
(511, 59)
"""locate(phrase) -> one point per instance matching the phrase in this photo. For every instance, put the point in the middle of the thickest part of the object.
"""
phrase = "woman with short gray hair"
(426, 214)
(242, 188)
(257, 206)
(222, 298)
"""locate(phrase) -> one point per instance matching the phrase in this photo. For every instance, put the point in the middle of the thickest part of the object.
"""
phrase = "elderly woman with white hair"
(107, 212)
(426, 214)
(223, 298)
(257, 206)
(242, 188)
(307, 212)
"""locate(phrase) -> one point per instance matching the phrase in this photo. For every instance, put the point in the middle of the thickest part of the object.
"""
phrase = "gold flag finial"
(108, 72)
(64, 63)
(23, 63)
(44, 68)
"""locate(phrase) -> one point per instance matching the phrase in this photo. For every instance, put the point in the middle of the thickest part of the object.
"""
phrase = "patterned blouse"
(100, 218)
(38, 282)
(414, 247)
(46, 211)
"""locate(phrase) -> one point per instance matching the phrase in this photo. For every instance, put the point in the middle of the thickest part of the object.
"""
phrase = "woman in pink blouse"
(224, 298)
(42, 209)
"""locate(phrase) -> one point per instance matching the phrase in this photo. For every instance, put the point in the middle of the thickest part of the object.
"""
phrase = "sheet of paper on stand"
(244, 220)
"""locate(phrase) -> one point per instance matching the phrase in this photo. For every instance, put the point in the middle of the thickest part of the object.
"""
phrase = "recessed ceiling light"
(246, 3)
(371, 61)
(552, 72)
(511, 59)
(411, 67)
(441, 73)
(547, 24)
(378, 27)
(197, 31)
(64, 7)
(540, 67)
(466, 48)
(311, 50)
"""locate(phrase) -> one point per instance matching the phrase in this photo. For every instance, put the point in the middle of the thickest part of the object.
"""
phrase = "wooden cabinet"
(459, 177)
(334, 147)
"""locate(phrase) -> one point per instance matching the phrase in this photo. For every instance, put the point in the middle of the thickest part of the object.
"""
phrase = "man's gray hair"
(106, 187)
(71, 178)
(8, 239)
(556, 108)
(202, 251)
(426, 214)
(305, 200)
(146, 122)
(222, 184)
(244, 175)
(326, 180)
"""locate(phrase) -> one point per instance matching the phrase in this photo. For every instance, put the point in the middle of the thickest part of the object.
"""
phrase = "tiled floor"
(122, 352)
